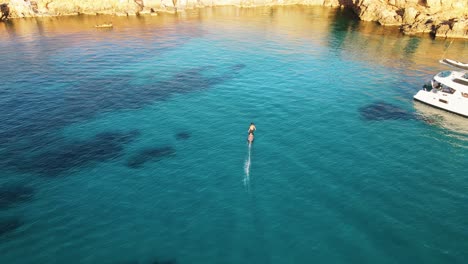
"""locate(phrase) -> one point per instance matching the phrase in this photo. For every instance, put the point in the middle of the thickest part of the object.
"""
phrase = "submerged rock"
(12, 195)
(182, 135)
(384, 111)
(150, 154)
(9, 225)
(164, 261)
(238, 67)
(60, 158)
(29, 141)
(156, 261)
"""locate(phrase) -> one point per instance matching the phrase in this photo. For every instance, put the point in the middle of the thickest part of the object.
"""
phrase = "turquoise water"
(129, 145)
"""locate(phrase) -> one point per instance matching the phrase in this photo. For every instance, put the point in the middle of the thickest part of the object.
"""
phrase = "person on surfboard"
(252, 128)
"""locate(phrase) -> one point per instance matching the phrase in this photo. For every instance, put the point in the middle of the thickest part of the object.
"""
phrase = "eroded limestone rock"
(452, 29)
(409, 15)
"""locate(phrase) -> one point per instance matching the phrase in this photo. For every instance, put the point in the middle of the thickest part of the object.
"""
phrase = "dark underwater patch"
(156, 261)
(14, 194)
(103, 95)
(8, 225)
(27, 115)
(183, 135)
(164, 261)
(32, 115)
(238, 67)
(150, 154)
(103, 147)
(384, 111)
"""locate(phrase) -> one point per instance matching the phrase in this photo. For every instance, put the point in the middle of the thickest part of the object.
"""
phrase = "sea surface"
(128, 145)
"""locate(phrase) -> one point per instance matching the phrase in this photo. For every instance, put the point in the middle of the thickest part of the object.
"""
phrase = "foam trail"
(247, 170)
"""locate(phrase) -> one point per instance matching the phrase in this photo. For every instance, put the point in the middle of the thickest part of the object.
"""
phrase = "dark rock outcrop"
(5, 11)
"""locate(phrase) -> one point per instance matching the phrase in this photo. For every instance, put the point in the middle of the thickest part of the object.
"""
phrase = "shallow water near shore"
(128, 145)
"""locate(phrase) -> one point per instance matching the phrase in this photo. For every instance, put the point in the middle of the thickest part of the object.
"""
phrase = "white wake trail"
(247, 170)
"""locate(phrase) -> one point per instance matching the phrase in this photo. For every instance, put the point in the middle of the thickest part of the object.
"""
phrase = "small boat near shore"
(105, 25)
(448, 90)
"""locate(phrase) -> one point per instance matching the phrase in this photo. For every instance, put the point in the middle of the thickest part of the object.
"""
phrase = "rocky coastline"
(440, 18)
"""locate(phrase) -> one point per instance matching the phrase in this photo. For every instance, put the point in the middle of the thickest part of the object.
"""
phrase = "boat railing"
(454, 63)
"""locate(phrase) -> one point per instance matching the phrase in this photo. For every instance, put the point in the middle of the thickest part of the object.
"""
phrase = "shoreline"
(440, 21)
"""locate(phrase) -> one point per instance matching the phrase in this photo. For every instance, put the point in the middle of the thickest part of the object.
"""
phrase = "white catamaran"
(448, 89)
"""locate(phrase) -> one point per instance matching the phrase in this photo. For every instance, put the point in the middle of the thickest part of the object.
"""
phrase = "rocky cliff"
(442, 18)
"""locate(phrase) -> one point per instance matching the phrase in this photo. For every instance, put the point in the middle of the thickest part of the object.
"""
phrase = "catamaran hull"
(443, 101)
(456, 64)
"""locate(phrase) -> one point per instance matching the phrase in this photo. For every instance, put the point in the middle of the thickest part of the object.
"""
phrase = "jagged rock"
(409, 15)
(330, 3)
(459, 29)
(433, 4)
(140, 3)
(402, 3)
(442, 30)
(145, 12)
(452, 29)
(367, 10)
(418, 27)
(4, 11)
(389, 18)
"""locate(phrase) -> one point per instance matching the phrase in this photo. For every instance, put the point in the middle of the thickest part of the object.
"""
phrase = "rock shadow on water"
(150, 155)
(12, 195)
(384, 111)
(8, 225)
(183, 135)
(103, 147)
